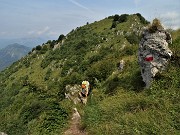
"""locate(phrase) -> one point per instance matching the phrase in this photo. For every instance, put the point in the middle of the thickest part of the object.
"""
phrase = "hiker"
(153, 53)
(85, 88)
(121, 65)
(85, 91)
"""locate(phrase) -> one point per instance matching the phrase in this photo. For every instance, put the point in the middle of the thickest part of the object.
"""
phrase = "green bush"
(48, 42)
(123, 18)
(119, 19)
(15, 127)
(176, 52)
(94, 58)
(116, 17)
(32, 87)
(26, 62)
(83, 66)
(61, 37)
(129, 50)
(32, 111)
(45, 62)
(38, 48)
(25, 80)
(81, 46)
(74, 78)
(142, 19)
(114, 24)
(48, 74)
(111, 85)
(101, 70)
(44, 49)
(55, 119)
(133, 38)
(52, 43)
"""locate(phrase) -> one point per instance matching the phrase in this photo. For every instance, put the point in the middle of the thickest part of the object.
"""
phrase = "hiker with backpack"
(85, 87)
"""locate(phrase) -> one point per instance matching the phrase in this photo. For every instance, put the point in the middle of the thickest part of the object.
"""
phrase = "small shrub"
(112, 85)
(52, 43)
(44, 49)
(48, 42)
(48, 74)
(142, 19)
(95, 58)
(129, 50)
(61, 37)
(45, 62)
(116, 18)
(26, 63)
(156, 25)
(114, 24)
(32, 111)
(123, 18)
(133, 38)
(74, 78)
(55, 118)
(38, 48)
(101, 70)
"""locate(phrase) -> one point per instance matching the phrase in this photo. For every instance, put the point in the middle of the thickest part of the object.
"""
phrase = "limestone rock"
(153, 53)
(72, 93)
(121, 65)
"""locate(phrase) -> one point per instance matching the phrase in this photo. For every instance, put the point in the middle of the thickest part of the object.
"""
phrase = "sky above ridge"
(50, 18)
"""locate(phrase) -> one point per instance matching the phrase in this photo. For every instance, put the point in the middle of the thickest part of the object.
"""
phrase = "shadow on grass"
(132, 82)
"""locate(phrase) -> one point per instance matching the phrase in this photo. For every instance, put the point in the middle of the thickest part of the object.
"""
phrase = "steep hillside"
(121, 105)
(12, 53)
(32, 89)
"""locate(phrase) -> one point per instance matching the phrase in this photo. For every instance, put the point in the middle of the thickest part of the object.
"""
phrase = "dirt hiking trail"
(74, 128)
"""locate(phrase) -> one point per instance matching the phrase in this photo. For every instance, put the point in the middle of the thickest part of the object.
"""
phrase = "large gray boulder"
(153, 53)
(72, 93)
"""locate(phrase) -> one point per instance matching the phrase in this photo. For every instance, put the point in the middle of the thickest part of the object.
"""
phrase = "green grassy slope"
(130, 109)
(32, 89)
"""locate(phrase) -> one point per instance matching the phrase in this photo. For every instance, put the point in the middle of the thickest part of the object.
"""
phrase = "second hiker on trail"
(84, 91)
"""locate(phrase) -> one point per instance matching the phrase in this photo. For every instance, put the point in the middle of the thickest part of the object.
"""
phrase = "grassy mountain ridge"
(32, 89)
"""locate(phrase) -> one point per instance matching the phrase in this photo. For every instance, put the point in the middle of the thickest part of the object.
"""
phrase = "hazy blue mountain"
(12, 53)
(29, 42)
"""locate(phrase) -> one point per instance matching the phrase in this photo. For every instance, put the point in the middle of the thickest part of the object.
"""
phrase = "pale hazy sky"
(50, 18)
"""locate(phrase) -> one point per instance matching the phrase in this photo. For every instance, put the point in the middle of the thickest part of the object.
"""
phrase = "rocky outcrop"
(72, 93)
(2, 133)
(153, 53)
(121, 65)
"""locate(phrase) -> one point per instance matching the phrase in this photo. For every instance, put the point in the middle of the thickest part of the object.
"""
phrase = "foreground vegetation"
(128, 108)
(32, 89)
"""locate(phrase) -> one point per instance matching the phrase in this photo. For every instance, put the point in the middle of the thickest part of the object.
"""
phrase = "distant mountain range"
(12, 53)
(29, 42)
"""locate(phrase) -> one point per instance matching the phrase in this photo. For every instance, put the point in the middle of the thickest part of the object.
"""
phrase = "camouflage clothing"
(153, 53)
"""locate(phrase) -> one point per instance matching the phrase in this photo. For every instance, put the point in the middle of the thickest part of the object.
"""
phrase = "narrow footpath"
(74, 128)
